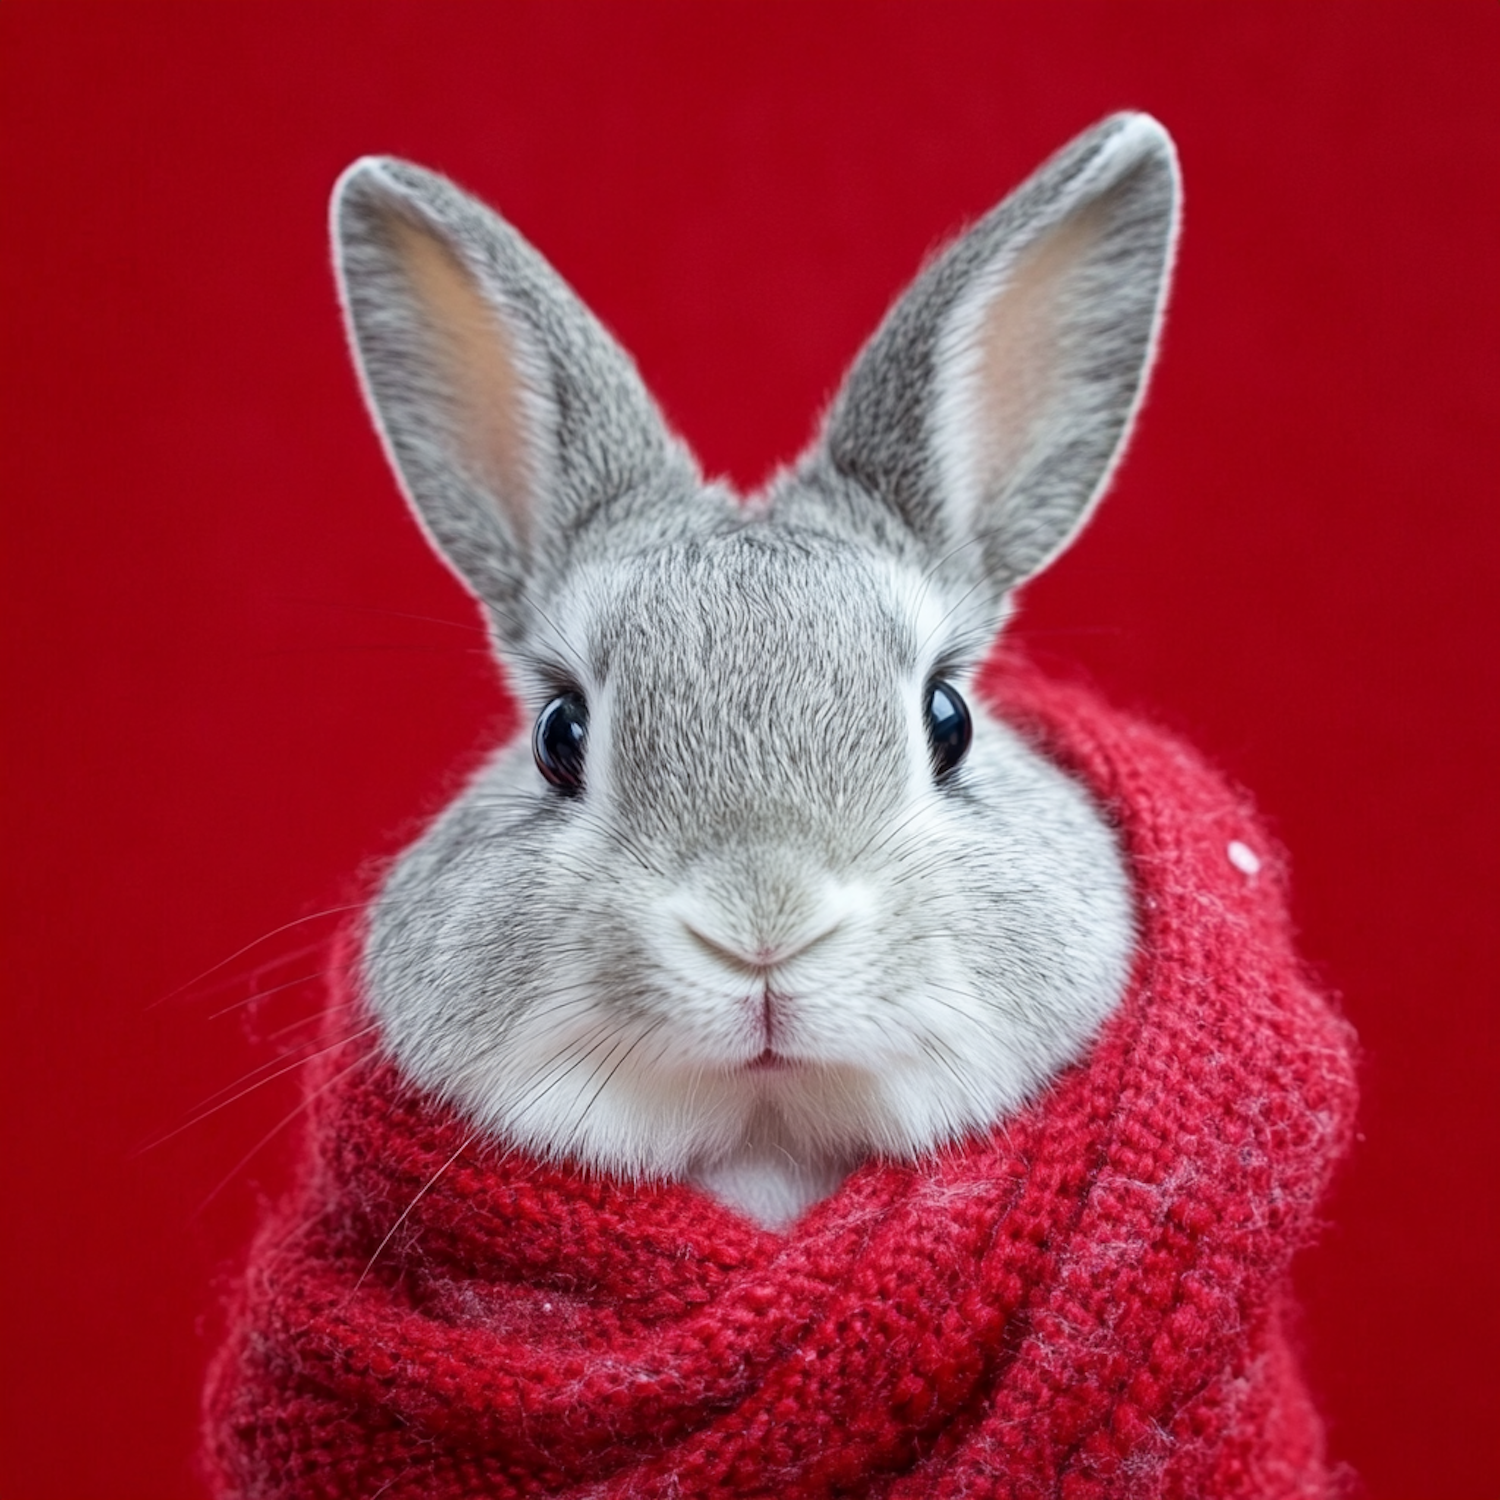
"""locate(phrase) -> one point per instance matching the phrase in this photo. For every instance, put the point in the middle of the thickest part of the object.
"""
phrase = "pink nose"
(760, 960)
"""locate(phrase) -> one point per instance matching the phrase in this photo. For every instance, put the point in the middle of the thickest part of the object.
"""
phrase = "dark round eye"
(558, 740)
(949, 728)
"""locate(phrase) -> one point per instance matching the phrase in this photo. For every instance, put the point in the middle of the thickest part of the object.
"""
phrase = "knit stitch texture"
(1088, 1302)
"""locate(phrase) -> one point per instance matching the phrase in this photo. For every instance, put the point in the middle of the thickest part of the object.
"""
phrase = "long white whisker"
(264, 938)
(259, 1083)
(308, 1101)
(406, 1212)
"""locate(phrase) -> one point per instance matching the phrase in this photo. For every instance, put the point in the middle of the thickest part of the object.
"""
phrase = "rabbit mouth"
(769, 1061)
(773, 1008)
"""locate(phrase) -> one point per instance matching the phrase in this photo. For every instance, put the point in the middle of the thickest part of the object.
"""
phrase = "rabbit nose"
(759, 959)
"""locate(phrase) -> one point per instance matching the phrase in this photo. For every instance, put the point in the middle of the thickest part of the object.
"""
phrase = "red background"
(235, 673)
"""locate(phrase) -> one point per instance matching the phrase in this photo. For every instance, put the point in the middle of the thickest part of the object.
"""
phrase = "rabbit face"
(764, 902)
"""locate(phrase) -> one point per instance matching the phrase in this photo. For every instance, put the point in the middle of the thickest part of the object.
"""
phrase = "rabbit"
(767, 889)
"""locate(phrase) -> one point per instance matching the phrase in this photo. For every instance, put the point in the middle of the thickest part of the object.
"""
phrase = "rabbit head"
(766, 881)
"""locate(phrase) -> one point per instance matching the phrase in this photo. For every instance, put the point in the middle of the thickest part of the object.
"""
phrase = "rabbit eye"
(949, 728)
(558, 740)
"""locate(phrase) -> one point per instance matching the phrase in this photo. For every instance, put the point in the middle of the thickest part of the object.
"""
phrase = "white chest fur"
(764, 1181)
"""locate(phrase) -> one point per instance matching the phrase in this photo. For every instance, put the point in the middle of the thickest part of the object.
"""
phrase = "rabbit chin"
(768, 1141)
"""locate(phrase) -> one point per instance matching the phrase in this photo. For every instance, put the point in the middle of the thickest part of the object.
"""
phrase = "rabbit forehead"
(753, 674)
(750, 598)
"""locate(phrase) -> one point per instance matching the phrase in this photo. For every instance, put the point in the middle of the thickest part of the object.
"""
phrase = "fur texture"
(766, 940)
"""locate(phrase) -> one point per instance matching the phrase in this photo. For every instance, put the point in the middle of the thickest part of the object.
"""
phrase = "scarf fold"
(1088, 1302)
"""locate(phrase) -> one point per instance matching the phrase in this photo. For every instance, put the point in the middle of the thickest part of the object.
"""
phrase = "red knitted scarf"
(1088, 1302)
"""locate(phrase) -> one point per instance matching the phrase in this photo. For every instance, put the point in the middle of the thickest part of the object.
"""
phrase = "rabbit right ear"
(988, 411)
(512, 418)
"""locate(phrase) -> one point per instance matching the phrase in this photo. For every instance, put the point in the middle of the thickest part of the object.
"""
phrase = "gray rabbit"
(767, 889)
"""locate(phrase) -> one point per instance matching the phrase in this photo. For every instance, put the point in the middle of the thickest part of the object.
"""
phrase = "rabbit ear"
(991, 406)
(510, 415)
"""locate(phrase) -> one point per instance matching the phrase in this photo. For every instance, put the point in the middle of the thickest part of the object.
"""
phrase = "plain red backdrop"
(235, 674)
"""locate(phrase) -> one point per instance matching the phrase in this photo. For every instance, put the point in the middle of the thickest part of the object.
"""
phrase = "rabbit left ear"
(991, 406)
(512, 418)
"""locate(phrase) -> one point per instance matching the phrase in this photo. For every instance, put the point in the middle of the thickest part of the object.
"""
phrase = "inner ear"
(1016, 334)
(478, 367)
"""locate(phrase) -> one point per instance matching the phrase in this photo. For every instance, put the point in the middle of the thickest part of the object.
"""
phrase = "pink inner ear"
(1019, 341)
(475, 357)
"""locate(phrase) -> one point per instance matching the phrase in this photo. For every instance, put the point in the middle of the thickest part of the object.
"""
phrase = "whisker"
(406, 1212)
(251, 974)
(277, 989)
(205, 1114)
(264, 938)
(578, 1123)
(369, 646)
(307, 1102)
(319, 1015)
(395, 614)
(246, 1077)
(597, 1036)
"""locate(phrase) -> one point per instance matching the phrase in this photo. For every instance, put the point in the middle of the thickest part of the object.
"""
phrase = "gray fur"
(761, 862)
